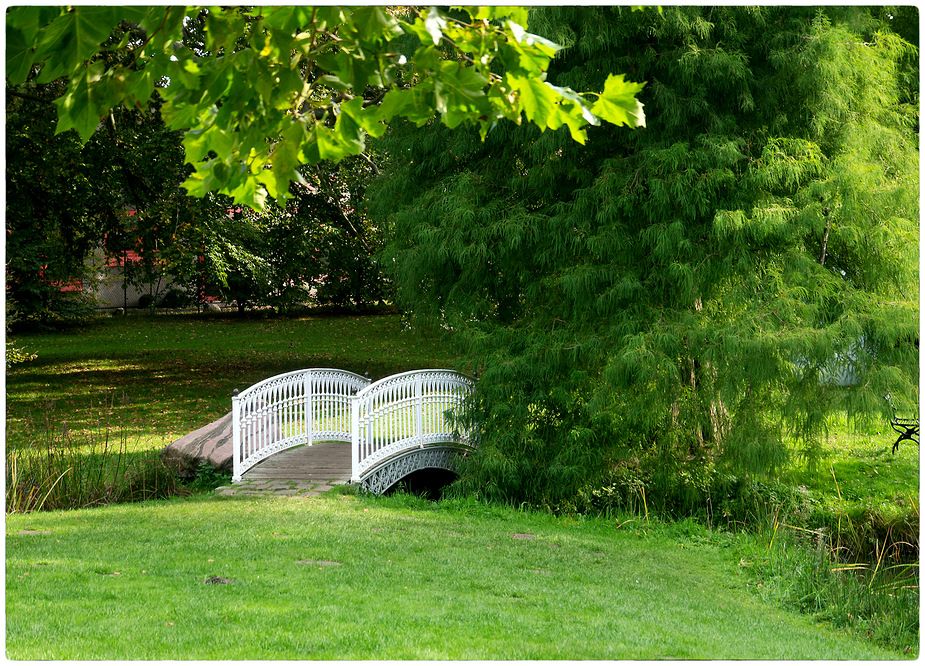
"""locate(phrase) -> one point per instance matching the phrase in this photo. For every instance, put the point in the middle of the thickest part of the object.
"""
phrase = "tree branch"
(22, 95)
(825, 238)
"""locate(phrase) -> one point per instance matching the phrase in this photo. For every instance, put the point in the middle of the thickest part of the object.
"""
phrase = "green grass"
(878, 601)
(150, 380)
(857, 465)
(161, 377)
(347, 577)
(848, 553)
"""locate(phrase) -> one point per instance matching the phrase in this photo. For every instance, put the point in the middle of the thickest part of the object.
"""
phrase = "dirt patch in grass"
(320, 563)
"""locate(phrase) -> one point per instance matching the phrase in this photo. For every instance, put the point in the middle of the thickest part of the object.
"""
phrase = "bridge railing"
(295, 408)
(404, 411)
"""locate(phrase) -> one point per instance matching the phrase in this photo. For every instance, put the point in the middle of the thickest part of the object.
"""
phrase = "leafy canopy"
(264, 90)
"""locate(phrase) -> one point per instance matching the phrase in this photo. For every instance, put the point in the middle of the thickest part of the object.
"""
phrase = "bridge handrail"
(279, 412)
(383, 429)
(269, 380)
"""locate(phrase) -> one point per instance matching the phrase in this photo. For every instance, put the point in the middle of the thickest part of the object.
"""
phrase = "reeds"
(815, 571)
(63, 469)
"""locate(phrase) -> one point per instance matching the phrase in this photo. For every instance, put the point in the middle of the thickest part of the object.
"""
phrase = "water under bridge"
(328, 424)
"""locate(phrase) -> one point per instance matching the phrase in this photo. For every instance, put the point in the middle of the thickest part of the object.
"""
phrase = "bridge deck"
(324, 461)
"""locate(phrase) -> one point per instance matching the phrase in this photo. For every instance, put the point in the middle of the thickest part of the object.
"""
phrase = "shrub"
(208, 478)
(175, 298)
(59, 310)
(14, 354)
(652, 484)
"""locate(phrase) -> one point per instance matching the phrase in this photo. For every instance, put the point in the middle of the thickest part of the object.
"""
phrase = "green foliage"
(54, 211)
(122, 192)
(69, 206)
(208, 478)
(60, 310)
(318, 247)
(680, 294)
(14, 354)
(173, 299)
(660, 487)
(260, 91)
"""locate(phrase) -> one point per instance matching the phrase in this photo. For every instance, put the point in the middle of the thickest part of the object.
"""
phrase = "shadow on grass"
(167, 375)
(154, 395)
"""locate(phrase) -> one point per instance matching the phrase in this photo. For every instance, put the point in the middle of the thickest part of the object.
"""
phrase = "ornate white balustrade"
(407, 411)
(385, 422)
(295, 408)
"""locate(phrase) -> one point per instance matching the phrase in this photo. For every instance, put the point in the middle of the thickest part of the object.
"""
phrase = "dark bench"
(908, 428)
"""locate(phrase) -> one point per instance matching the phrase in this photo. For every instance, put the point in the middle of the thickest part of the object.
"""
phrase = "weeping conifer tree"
(679, 297)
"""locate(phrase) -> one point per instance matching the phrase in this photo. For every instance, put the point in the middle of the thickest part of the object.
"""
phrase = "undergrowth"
(851, 565)
(802, 569)
(65, 469)
(207, 478)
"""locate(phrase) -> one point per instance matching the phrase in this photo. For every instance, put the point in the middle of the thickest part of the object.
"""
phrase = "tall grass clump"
(803, 569)
(64, 469)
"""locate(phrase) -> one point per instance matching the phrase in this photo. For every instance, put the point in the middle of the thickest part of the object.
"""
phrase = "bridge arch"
(392, 471)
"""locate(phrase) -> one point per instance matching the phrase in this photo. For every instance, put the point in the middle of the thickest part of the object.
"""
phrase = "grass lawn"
(410, 580)
(346, 577)
(160, 377)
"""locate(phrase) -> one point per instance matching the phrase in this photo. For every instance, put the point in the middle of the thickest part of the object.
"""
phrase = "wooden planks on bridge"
(325, 461)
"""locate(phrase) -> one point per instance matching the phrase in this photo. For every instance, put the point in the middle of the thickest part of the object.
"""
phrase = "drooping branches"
(666, 301)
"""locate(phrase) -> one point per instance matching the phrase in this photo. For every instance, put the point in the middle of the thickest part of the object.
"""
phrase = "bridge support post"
(236, 456)
(355, 439)
(419, 410)
(309, 402)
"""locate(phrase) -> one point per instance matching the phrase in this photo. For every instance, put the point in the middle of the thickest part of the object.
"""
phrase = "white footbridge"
(395, 426)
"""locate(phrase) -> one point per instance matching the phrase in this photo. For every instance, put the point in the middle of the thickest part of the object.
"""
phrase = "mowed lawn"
(340, 576)
(347, 577)
(159, 377)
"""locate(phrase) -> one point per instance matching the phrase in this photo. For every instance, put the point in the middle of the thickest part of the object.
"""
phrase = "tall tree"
(318, 246)
(258, 93)
(58, 203)
(67, 199)
(121, 191)
(675, 297)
